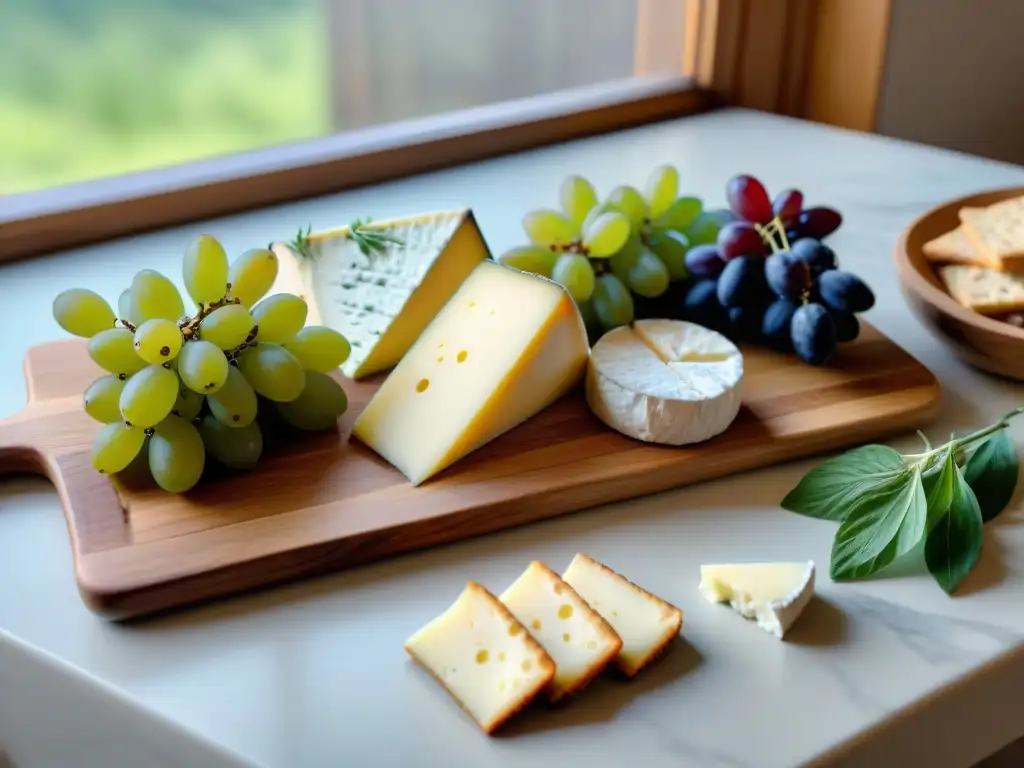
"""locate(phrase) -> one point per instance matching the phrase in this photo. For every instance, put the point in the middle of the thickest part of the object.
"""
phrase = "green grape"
(102, 399)
(188, 405)
(612, 302)
(577, 196)
(205, 270)
(114, 350)
(623, 262)
(203, 367)
(681, 214)
(546, 227)
(176, 455)
(575, 273)
(591, 321)
(136, 474)
(158, 340)
(704, 229)
(606, 234)
(235, 403)
(595, 213)
(318, 348)
(530, 258)
(235, 448)
(273, 372)
(149, 396)
(318, 407)
(252, 274)
(115, 447)
(279, 317)
(155, 296)
(670, 246)
(227, 327)
(649, 276)
(126, 309)
(82, 312)
(629, 201)
(661, 189)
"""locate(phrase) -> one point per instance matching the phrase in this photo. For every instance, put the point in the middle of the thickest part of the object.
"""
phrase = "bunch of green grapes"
(180, 386)
(633, 244)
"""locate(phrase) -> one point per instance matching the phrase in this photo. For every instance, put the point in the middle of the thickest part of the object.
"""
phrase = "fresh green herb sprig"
(300, 244)
(887, 502)
(370, 240)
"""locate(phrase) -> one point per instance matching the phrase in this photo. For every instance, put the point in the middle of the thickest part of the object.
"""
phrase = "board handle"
(16, 453)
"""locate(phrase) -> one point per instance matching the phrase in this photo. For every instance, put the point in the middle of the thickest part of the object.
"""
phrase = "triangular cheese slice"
(506, 346)
(773, 594)
(382, 300)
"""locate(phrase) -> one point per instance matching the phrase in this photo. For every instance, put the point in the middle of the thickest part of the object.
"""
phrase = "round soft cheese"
(665, 381)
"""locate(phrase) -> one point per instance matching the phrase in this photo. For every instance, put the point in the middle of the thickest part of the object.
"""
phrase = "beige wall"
(954, 76)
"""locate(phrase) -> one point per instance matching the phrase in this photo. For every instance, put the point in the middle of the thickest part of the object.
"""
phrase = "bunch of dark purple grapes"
(770, 280)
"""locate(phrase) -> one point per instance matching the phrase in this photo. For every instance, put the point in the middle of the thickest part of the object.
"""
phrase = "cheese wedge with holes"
(578, 640)
(772, 594)
(646, 623)
(665, 381)
(506, 346)
(382, 300)
(484, 658)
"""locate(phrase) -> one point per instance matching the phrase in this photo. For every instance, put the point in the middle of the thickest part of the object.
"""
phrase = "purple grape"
(745, 322)
(739, 238)
(704, 261)
(819, 257)
(789, 278)
(701, 305)
(776, 323)
(819, 222)
(787, 205)
(748, 199)
(742, 282)
(845, 292)
(847, 326)
(813, 334)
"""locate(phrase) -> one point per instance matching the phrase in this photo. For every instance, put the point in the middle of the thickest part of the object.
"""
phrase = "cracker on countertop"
(952, 247)
(986, 291)
(997, 233)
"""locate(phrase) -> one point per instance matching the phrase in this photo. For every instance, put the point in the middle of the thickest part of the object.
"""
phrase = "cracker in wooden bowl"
(997, 233)
(986, 291)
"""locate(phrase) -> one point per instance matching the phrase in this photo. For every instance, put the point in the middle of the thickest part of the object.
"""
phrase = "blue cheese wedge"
(646, 623)
(382, 300)
(772, 594)
(483, 657)
(580, 642)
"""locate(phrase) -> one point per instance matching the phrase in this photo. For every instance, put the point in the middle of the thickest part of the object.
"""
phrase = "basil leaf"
(991, 471)
(938, 484)
(954, 545)
(883, 527)
(831, 490)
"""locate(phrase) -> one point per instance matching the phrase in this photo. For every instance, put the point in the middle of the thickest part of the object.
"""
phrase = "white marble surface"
(313, 674)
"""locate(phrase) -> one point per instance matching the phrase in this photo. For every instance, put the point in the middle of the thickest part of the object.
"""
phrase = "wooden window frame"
(819, 59)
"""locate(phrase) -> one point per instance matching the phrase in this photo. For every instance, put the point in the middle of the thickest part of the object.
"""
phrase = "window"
(106, 87)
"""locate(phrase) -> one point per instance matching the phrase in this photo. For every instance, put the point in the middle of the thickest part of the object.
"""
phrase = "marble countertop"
(886, 672)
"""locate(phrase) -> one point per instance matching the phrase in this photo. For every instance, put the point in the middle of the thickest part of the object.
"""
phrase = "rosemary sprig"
(301, 242)
(370, 240)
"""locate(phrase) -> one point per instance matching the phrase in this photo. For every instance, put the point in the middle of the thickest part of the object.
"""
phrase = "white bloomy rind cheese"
(574, 635)
(665, 381)
(483, 657)
(506, 346)
(382, 300)
(645, 622)
(773, 594)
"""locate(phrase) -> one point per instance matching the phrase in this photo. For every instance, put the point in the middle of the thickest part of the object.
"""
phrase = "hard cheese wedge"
(382, 300)
(574, 635)
(646, 623)
(665, 381)
(506, 346)
(483, 657)
(773, 594)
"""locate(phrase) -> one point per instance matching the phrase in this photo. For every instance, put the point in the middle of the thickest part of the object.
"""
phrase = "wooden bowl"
(986, 343)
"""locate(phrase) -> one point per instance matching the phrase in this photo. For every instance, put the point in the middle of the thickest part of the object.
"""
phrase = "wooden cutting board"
(325, 503)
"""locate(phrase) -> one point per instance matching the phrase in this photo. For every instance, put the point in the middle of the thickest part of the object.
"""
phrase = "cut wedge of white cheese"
(773, 594)
(574, 635)
(665, 381)
(646, 623)
(381, 300)
(483, 657)
(505, 347)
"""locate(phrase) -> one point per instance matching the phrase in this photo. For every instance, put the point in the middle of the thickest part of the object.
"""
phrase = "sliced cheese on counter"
(382, 300)
(645, 622)
(484, 658)
(506, 346)
(773, 594)
(574, 635)
(665, 381)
